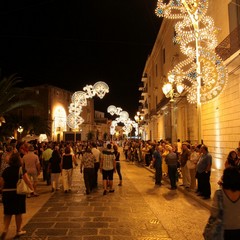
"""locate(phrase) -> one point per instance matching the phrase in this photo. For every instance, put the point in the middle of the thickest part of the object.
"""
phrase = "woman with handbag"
(224, 222)
(13, 203)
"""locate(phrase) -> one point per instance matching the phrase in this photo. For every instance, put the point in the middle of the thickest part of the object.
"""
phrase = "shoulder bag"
(214, 228)
(22, 187)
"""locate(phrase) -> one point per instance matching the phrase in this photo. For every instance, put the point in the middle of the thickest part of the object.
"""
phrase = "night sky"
(72, 43)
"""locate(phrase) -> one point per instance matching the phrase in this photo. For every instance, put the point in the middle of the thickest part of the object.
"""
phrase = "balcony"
(164, 101)
(144, 78)
(153, 112)
(230, 45)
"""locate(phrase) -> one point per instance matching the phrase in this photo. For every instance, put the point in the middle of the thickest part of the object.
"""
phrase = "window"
(234, 14)
(164, 56)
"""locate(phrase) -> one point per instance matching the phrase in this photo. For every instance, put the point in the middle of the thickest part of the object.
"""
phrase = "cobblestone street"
(137, 210)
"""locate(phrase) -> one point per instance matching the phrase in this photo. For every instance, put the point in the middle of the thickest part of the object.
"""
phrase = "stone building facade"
(220, 118)
(53, 103)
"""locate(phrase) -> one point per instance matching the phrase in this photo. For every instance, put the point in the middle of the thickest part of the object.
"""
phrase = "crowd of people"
(194, 162)
(190, 162)
(55, 161)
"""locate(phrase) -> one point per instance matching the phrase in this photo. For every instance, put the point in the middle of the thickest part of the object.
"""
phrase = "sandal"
(20, 233)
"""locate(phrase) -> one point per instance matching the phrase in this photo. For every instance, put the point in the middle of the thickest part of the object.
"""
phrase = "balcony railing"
(162, 103)
(229, 45)
(153, 112)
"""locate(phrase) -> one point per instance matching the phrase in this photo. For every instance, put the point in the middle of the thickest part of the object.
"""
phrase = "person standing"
(165, 152)
(46, 155)
(204, 172)
(191, 165)
(31, 164)
(54, 168)
(232, 159)
(107, 168)
(230, 193)
(5, 158)
(179, 148)
(96, 152)
(87, 168)
(172, 161)
(238, 158)
(184, 157)
(13, 203)
(67, 169)
(118, 166)
(157, 164)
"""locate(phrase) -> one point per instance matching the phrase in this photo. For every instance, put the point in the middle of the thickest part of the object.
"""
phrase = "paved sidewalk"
(120, 215)
(215, 176)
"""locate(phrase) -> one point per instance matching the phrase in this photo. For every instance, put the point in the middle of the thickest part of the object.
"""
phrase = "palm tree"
(9, 100)
(9, 95)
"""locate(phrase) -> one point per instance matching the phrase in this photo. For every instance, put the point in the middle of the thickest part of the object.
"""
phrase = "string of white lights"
(196, 35)
(123, 117)
(79, 100)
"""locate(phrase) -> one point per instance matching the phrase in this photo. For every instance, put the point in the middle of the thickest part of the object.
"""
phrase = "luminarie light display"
(79, 100)
(202, 75)
(123, 118)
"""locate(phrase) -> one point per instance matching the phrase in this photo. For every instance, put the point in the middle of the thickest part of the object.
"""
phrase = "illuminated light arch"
(79, 100)
(123, 117)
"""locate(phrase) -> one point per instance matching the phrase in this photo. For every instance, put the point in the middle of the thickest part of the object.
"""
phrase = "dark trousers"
(172, 173)
(158, 175)
(46, 174)
(118, 168)
(95, 177)
(88, 175)
(148, 159)
(204, 186)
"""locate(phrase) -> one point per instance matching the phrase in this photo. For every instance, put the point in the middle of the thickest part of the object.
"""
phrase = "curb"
(205, 203)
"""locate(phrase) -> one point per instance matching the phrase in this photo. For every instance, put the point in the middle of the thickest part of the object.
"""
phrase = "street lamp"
(20, 130)
(138, 118)
(169, 91)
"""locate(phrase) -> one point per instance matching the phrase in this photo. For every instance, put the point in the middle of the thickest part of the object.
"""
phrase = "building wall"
(53, 108)
(221, 117)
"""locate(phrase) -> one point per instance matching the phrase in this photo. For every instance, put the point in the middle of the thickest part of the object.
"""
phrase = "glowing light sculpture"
(202, 75)
(123, 117)
(79, 100)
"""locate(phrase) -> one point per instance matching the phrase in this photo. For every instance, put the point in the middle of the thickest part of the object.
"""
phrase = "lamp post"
(169, 91)
(20, 130)
(138, 118)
